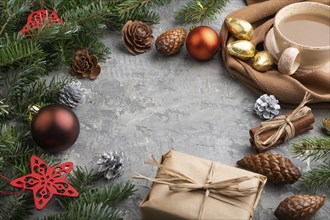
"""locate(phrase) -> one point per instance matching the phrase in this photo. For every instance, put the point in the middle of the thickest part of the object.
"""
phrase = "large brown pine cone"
(299, 207)
(137, 37)
(84, 65)
(277, 168)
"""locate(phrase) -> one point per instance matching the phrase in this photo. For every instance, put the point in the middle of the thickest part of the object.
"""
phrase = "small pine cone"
(267, 106)
(277, 168)
(84, 65)
(71, 94)
(137, 37)
(171, 41)
(299, 207)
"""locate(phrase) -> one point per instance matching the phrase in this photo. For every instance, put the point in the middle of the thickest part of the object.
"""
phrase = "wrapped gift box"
(189, 187)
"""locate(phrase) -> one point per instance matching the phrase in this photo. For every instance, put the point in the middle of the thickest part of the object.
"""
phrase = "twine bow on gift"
(226, 191)
(283, 124)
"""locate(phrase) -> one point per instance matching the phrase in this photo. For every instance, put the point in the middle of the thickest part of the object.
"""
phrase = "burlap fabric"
(290, 90)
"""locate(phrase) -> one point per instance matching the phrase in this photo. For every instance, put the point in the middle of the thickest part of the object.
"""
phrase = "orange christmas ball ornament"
(202, 42)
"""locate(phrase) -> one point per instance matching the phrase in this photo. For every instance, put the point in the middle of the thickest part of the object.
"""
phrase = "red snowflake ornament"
(46, 181)
(38, 19)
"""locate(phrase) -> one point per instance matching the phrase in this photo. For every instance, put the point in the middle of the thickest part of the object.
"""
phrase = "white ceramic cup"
(295, 55)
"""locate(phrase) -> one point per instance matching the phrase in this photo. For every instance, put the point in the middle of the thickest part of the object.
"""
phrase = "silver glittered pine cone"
(267, 106)
(71, 95)
(111, 164)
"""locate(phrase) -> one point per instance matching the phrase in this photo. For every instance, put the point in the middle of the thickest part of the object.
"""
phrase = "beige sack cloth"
(290, 90)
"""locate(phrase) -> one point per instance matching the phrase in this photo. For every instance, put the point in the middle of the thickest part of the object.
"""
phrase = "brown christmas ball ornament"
(137, 37)
(85, 65)
(171, 41)
(202, 42)
(299, 207)
(55, 128)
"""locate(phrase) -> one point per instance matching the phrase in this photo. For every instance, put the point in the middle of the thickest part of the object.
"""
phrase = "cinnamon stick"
(279, 141)
(298, 125)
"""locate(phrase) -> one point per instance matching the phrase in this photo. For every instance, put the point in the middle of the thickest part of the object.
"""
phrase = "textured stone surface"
(148, 104)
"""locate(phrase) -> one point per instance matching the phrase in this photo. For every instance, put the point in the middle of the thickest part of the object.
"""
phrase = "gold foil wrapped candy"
(241, 49)
(240, 29)
(263, 61)
(326, 125)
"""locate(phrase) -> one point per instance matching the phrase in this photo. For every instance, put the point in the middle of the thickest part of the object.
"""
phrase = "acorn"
(241, 49)
(171, 41)
(240, 29)
(299, 207)
(263, 61)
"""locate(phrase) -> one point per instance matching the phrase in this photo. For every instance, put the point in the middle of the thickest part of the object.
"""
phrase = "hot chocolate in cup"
(302, 34)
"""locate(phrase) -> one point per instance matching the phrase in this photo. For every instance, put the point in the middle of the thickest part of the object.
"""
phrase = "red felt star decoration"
(38, 19)
(46, 181)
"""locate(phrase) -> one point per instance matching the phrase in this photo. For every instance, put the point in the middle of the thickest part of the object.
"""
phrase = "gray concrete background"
(149, 104)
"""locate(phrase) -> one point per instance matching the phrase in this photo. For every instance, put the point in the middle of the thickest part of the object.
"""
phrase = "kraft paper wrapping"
(162, 203)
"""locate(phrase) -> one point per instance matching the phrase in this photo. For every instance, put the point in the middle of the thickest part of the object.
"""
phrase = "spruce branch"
(200, 10)
(316, 179)
(87, 211)
(316, 148)
(24, 92)
(10, 11)
(90, 18)
(139, 10)
(82, 180)
(15, 52)
(109, 195)
(16, 207)
(3, 109)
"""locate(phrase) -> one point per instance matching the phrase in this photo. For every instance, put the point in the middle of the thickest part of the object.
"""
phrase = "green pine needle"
(316, 148)
(139, 10)
(16, 207)
(200, 10)
(88, 211)
(316, 179)
(109, 195)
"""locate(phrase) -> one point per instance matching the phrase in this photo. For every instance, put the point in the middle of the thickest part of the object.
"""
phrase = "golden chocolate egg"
(326, 124)
(263, 61)
(241, 49)
(240, 29)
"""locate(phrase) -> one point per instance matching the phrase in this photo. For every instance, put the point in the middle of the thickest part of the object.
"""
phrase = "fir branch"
(65, 50)
(139, 10)
(3, 109)
(82, 180)
(316, 179)
(90, 18)
(10, 11)
(200, 10)
(24, 92)
(87, 211)
(16, 207)
(109, 195)
(315, 148)
(19, 53)
(46, 34)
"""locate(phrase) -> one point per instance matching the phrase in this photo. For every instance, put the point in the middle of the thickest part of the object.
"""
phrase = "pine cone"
(84, 65)
(299, 207)
(111, 164)
(267, 106)
(71, 94)
(277, 168)
(137, 37)
(171, 41)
